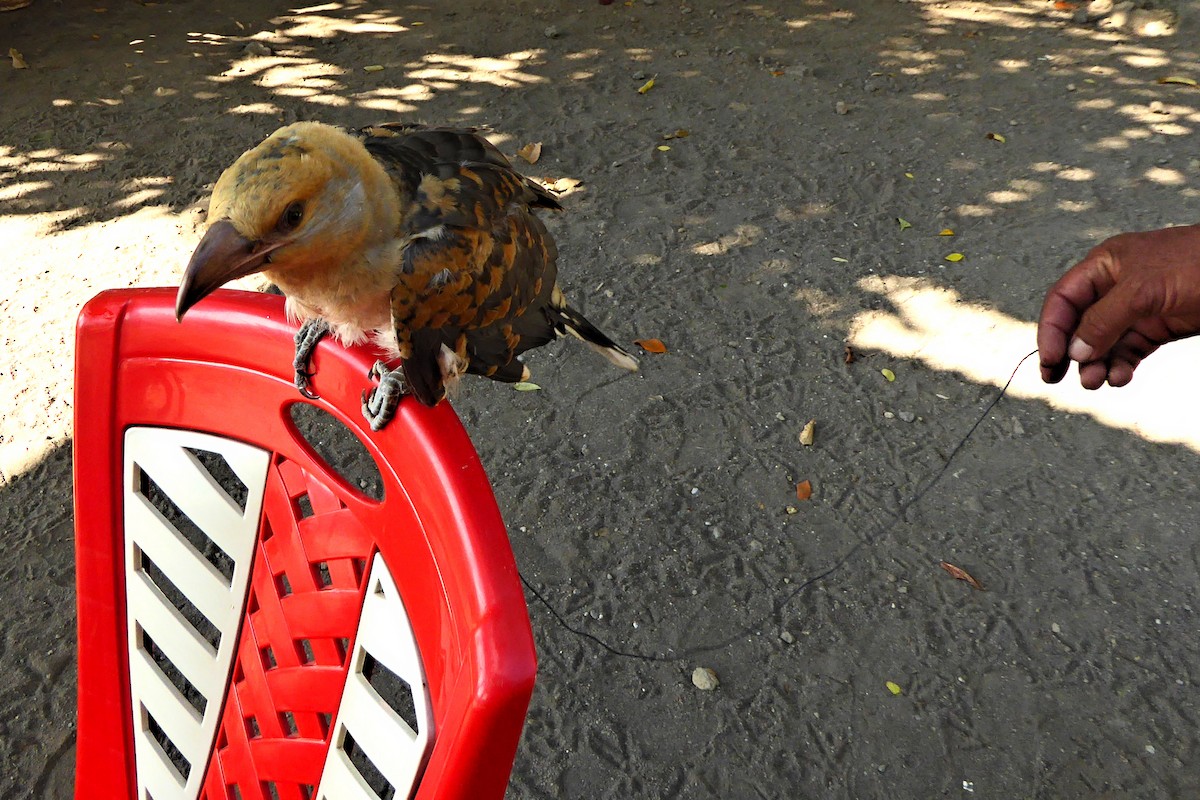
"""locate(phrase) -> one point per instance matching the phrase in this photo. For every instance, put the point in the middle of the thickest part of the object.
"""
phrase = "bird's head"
(307, 200)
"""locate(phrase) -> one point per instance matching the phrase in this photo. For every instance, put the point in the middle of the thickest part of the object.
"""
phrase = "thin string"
(866, 540)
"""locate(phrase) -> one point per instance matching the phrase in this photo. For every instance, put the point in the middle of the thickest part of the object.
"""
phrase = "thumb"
(1111, 316)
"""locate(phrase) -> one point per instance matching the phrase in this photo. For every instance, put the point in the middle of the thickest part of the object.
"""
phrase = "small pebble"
(256, 49)
(907, 416)
(551, 32)
(1055, 627)
(889, 415)
(705, 679)
(1150, 749)
(841, 108)
(695, 491)
(787, 638)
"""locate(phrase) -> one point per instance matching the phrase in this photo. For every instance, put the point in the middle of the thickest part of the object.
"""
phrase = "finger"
(1065, 303)
(1120, 372)
(1113, 316)
(1093, 374)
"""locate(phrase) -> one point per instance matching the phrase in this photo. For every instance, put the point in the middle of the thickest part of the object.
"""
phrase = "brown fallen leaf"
(18, 60)
(803, 490)
(679, 134)
(651, 345)
(849, 356)
(531, 152)
(808, 434)
(997, 137)
(958, 573)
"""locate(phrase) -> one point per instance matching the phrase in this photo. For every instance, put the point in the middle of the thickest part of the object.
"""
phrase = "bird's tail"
(571, 321)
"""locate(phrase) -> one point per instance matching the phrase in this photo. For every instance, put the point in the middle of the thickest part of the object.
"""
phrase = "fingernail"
(1079, 350)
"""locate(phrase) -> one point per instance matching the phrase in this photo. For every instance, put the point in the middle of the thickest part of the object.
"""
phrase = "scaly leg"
(310, 333)
(381, 406)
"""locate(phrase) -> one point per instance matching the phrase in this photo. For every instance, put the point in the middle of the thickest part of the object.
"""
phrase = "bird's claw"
(307, 338)
(302, 384)
(380, 406)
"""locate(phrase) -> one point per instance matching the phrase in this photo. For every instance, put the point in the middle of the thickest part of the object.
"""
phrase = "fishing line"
(866, 540)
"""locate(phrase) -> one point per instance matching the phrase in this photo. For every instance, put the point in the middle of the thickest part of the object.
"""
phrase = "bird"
(423, 240)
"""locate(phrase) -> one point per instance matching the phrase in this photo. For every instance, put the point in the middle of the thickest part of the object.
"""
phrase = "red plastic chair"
(250, 624)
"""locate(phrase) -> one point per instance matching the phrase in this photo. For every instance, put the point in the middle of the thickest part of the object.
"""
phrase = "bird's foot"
(310, 333)
(380, 406)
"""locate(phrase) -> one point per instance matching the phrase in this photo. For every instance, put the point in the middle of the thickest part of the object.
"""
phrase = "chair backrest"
(251, 624)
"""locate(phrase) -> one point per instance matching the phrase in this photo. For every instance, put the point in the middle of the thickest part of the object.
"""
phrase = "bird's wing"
(476, 257)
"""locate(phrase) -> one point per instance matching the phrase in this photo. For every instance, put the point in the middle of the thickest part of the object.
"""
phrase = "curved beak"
(223, 255)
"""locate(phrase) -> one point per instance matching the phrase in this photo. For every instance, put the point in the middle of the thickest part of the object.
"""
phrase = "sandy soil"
(658, 512)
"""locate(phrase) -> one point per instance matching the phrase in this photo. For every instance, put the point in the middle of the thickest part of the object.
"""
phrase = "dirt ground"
(828, 144)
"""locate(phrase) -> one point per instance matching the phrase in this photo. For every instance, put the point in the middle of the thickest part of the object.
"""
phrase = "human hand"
(1128, 296)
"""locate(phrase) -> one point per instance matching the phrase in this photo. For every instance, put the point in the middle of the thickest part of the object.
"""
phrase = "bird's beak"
(223, 255)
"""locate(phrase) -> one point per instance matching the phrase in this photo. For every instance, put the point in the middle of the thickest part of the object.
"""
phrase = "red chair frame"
(226, 370)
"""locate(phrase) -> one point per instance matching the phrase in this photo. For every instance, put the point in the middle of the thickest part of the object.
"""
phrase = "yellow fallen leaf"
(903, 223)
(908, 175)
(893, 687)
(647, 86)
(997, 137)
(945, 232)
(664, 147)
(806, 435)
(955, 257)
(526, 386)
(1180, 79)
(531, 152)
(887, 373)
(18, 60)
(373, 68)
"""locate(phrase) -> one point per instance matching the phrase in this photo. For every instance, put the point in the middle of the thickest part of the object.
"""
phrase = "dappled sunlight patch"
(742, 236)
(1165, 176)
(503, 71)
(1075, 206)
(934, 325)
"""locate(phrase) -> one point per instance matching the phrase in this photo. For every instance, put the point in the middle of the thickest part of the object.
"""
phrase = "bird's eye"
(293, 215)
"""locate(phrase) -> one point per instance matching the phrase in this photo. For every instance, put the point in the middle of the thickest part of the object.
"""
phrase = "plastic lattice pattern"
(253, 626)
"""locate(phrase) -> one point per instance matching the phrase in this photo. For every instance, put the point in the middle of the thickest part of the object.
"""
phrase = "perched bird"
(422, 239)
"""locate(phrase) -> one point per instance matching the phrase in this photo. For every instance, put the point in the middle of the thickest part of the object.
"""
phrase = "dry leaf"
(887, 373)
(958, 573)
(997, 137)
(778, 73)
(682, 133)
(903, 223)
(849, 355)
(651, 345)
(373, 68)
(841, 260)
(647, 86)
(1179, 79)
(893, 687)
(945, 232)
(531, 152)
(664, 147)
(955, 257)
(806, 435)
(18, 60)
(1065, 5)
(561, 185)
(526, 386)
(803, 490)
